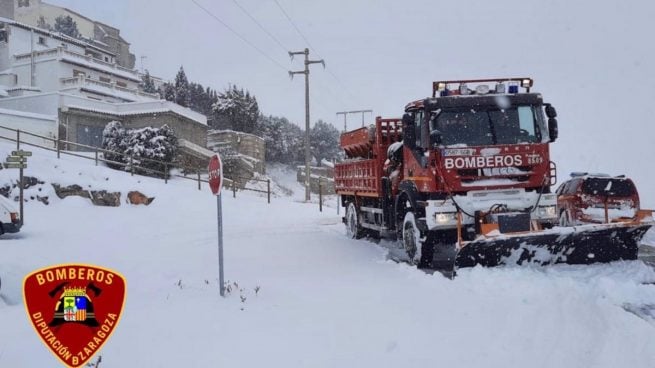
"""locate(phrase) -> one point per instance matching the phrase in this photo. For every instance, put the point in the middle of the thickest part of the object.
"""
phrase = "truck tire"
(354, 229)
(411, 238)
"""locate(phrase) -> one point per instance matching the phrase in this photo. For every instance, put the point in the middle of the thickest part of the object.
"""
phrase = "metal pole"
(199, 180)
(96, 156)
(17, 139)
(165, 173)
(345, 123)
(234, 188)
(20, 178)
(268, 189)
(320, 196)
(219, 208)
(307, 151)
(58, 143)
(338, 203)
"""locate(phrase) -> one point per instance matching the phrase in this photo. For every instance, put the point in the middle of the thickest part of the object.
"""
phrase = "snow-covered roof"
(190, 146)
(229, 131)
(99, 67)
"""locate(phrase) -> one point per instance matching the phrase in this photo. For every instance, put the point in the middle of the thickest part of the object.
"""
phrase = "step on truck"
(465, 177)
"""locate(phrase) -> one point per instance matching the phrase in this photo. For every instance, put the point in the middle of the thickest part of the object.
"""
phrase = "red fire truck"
(465, 178)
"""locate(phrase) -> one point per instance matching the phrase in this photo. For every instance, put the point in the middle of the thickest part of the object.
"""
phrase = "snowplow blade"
(576, 245)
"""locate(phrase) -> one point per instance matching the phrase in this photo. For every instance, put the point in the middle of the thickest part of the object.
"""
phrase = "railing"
(83, 81)
(61, 52)
(130, 164)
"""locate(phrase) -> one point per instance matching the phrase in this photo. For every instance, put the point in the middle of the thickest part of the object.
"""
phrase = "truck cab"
(481, 151)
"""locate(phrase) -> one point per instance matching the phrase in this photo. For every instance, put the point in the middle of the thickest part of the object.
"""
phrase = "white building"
(31, 58)
(75, 88)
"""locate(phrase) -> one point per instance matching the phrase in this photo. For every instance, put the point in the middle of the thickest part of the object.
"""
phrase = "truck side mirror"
(552, 129)
(435, 138)
(550, 111)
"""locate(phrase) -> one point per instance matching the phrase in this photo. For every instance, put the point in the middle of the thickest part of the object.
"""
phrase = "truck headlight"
(547, 211)
(444, 218)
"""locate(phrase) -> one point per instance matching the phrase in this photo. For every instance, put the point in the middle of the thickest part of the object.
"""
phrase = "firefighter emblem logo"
(74, 308)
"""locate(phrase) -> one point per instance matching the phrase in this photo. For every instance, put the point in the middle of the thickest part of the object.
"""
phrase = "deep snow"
(323, 300)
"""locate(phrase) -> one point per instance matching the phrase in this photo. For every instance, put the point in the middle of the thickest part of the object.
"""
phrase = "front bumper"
(442, 214)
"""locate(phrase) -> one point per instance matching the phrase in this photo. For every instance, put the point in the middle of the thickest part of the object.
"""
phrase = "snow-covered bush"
(140, 146)
(113, 139)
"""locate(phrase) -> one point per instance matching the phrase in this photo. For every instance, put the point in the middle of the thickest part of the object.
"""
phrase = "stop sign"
(215, 169)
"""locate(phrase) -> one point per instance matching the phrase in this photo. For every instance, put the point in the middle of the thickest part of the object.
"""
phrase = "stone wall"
(241, 143)
(322, 175)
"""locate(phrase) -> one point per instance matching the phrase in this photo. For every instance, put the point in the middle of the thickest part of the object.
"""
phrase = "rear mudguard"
(572, 245)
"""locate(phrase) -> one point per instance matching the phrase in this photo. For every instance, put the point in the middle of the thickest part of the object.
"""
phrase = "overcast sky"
(594, 60)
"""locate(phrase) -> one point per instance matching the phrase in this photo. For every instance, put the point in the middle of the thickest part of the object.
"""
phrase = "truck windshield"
(513, 125)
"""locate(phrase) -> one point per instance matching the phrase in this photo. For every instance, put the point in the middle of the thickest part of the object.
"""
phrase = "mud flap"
(579, 245)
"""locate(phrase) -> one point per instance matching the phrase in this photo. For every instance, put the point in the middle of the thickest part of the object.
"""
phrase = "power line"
(242, 38)
(293, 24)
(261, 26)
(296, 28)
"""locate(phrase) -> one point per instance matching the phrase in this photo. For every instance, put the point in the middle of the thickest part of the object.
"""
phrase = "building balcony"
(111, 89)
(88, 61)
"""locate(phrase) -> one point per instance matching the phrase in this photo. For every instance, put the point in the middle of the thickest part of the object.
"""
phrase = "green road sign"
(21, 153)
(16, 159)
(14, 165)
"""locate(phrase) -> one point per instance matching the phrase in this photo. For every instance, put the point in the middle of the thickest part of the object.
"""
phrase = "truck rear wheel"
(354, 229)
(411, 238)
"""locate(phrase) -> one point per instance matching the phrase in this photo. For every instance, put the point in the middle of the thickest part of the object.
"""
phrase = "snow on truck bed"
(323, 300)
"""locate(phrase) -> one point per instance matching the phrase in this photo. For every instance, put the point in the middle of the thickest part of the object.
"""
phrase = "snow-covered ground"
(323, 300)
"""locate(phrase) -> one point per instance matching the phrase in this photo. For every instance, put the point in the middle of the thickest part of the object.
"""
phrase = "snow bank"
(322, 300)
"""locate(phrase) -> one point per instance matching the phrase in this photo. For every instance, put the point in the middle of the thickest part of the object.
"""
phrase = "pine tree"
(148, 84)
(67, 26)
(324, 141)
(237, 110)
(167, 92)
(284, 140)
(182, 93)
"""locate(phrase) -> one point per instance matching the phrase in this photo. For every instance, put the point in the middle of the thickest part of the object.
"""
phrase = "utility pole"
(306, 73)
(344, 113)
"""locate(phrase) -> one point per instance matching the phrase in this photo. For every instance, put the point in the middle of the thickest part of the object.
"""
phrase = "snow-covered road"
(322, 300)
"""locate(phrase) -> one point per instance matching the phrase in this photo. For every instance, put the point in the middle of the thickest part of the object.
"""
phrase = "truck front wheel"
(411, 238)
(353, 229)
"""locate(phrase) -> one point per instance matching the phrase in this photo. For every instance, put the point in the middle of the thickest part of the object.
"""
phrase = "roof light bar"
(441, 86)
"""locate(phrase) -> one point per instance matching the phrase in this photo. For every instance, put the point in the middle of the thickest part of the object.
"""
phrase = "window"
(23, 3)
(608, 187)
(104, 79)
(419, 125)
(106, 58)
(3, 35)
(42, 41)
(121, 84)
(572, 186)
(78, 73)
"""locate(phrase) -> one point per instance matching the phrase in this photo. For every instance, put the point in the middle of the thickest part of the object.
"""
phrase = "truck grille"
(517, 174)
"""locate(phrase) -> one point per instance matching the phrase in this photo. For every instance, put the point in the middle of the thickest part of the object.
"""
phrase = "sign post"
(215, 170)
(18, 160)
